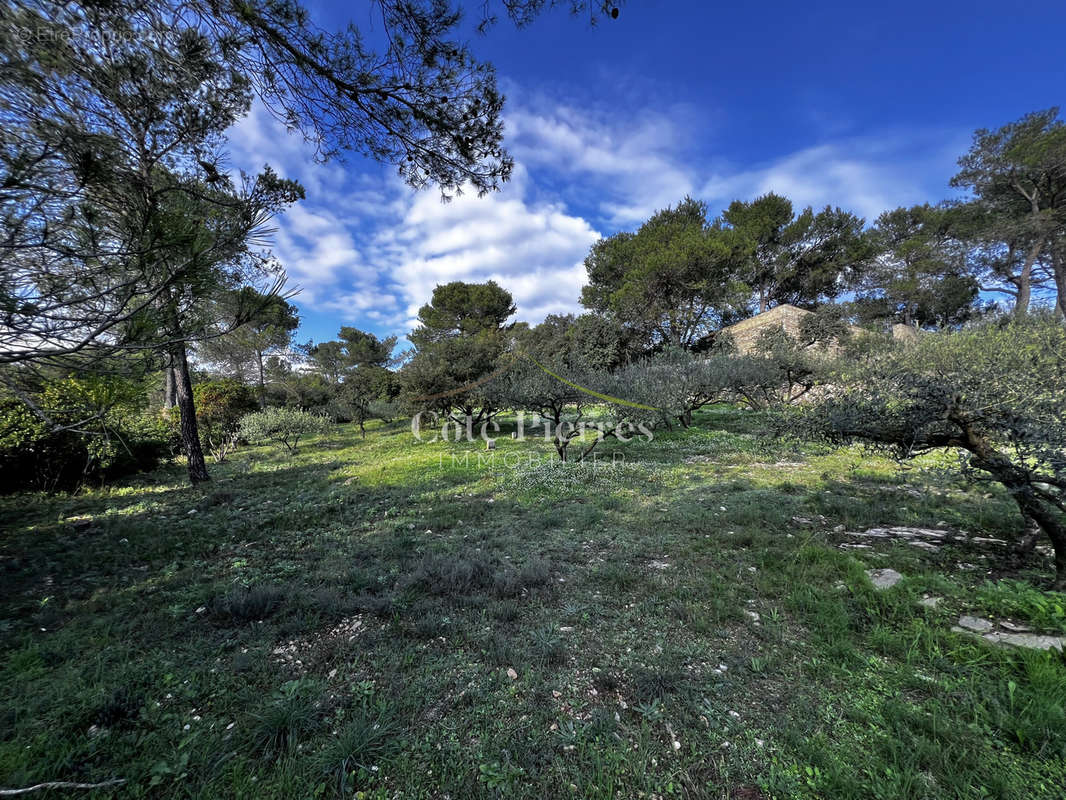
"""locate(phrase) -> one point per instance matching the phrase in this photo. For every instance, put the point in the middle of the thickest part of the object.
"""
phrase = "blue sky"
(866, 106)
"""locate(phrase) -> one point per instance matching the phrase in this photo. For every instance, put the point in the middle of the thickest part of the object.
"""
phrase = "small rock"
(975, 624)
(512, 674)
(566, 629)
(932, 548)
(1030, 640)
(930, 602)
(753, 614)
(193, 511)
(838, 529)
(1014, 627)
(883, 578)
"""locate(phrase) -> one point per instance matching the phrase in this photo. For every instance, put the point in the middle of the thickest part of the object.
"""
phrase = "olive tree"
(678, 382)
(783, 369)
(996, 392)
(542, 372)
(284, 426)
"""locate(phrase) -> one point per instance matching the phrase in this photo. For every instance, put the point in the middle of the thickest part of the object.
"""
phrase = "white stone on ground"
(883, 578)
(975, 624)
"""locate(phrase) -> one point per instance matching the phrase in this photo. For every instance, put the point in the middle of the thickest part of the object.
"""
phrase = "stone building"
(789, 317)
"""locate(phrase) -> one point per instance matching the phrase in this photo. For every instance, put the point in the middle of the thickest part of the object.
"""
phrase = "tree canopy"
(1017, 177)
(460, 337)
(803, 259)
(674, 281)
(917, 273)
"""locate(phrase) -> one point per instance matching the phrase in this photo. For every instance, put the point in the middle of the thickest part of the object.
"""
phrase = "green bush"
(283, 426)
(1046, 610)
(88, 428)
(220, 405)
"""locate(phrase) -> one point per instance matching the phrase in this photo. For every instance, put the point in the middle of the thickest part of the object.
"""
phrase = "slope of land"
(383, 618)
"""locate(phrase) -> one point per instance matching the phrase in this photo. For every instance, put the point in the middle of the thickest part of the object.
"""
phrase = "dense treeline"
(656, 301)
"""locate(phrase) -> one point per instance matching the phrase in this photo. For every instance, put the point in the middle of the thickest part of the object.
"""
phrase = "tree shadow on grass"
(187, 533)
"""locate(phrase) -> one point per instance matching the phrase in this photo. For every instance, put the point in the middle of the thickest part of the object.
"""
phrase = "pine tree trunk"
(1025, 291)
(262, 381)
(1024, 281)
(190, 434)
(170, 388)
(1058, 267)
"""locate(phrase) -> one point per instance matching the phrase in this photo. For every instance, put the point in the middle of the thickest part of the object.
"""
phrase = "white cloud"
(368, 250)
(534, 250)
(863, 175)
(634, 165)
(365, 247)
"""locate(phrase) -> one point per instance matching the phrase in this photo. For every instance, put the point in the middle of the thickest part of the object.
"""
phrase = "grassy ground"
(375, 618)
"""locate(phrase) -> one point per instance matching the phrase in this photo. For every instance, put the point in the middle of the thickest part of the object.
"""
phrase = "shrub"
(250, 604)
(291, 715)
(458, 576)
(282, 425)
(366, 740)
(82, 428)
(220, 405)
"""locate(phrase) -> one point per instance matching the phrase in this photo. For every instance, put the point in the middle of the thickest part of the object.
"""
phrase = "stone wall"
(747, 331)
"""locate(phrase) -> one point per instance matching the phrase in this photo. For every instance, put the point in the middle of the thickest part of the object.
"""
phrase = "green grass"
(343, 623)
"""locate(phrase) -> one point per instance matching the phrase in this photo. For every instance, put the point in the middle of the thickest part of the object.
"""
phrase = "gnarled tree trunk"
(1019, 483)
